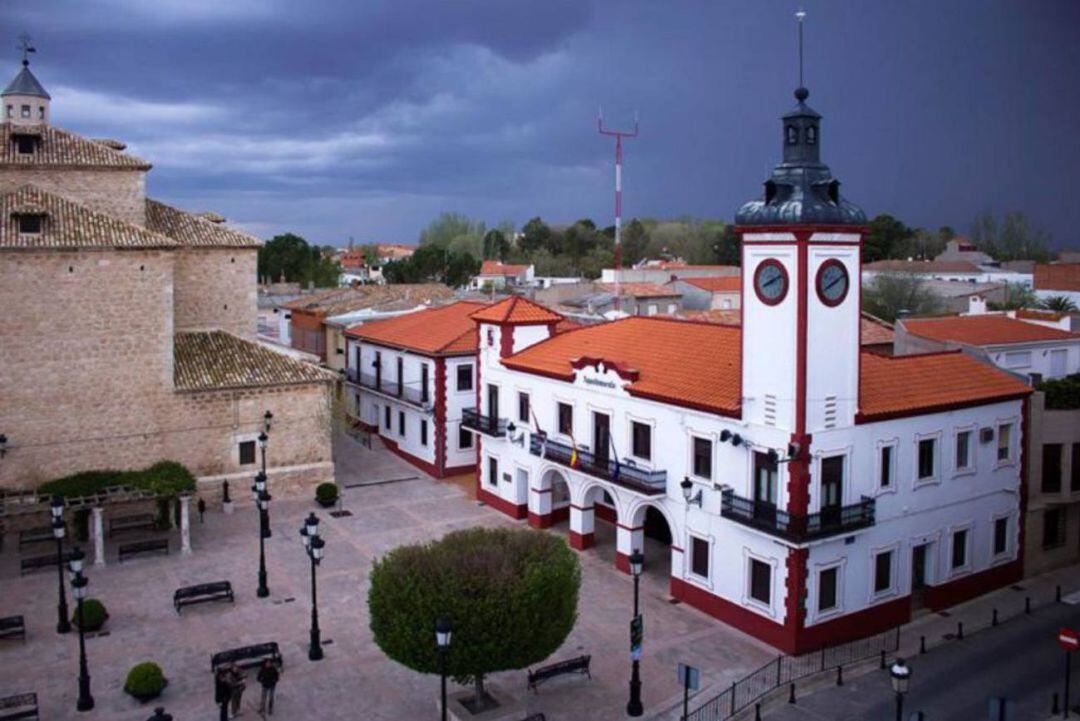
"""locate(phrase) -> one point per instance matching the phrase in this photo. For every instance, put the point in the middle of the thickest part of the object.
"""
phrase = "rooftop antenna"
(27, 48)
(800, 16)
(618, 135)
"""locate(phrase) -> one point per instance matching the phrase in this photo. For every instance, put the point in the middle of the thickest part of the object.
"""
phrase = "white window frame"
(973, 444)
(748, 600)
(468, 434)
(472, 372)
(631, 419)
(917, 482)
(894, 444)
(842, 451)
(1010, 459)
(704, 581)
(244, 438)
(964, 568)
(557, 432)
(691, 434)
(1012, 529)
(873, 596)
(815, 613)
(1005, 360)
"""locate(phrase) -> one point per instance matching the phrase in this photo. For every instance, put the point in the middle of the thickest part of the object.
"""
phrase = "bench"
(216, 591)
(140, 521)
(35, 535)
(546, 673)
(157, 545)
(248, 656)
(20, 706)
(12, 626)
(36, 563)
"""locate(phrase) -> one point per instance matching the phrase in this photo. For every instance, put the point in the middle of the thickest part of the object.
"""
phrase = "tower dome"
(25, 101)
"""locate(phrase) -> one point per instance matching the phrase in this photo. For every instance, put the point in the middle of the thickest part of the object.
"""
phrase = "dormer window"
(792, 135)
(25, 111)
(29, 223)
(25, 144)
(811, 135)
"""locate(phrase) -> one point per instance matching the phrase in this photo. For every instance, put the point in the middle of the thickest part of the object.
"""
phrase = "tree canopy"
(890, 294)
(1014, 238)
(290, 257)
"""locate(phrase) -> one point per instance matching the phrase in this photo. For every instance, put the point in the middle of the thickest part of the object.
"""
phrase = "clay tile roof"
(516, 310)
(216, 360)
(641, 290)
(60, 148)
(194, 231)
(874, 330)
(68, 225)
(448, 330)
(984, 330)
(1057, 276)
(724, 316)
(891, 386)
(664, 352)
(1036, 314)
(377, 297)
(721, 284)
(923, 266)
(494, 267)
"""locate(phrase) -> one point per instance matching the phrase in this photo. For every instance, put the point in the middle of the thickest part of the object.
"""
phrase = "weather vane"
(800, 16)
(26, 47)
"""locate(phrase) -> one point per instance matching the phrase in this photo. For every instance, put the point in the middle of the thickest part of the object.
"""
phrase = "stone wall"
(120, 193)
(216, 288)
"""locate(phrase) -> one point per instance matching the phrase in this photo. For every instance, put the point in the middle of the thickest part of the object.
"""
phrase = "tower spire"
(801, 93)
(27, 48)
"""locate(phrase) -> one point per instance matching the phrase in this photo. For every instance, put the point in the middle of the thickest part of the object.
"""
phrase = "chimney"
(976, 305)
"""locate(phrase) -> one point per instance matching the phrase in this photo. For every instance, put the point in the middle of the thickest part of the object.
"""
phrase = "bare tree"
(889, 295)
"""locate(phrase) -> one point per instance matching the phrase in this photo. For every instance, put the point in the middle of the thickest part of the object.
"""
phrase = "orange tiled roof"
(664, 352)
(892, 386)
(984, 330)
(1049, 316)
(1057, 276)
(923, 266)
(724, 316)
(721, 284)
(640, 290)
(60, 148)
(874, 331)
(494, 267)
(516, 310)
(449, 330)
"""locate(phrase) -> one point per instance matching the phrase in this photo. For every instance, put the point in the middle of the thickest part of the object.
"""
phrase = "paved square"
(355, 680)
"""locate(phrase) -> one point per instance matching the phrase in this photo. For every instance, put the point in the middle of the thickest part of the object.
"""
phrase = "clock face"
(770, 281)
(832, 282)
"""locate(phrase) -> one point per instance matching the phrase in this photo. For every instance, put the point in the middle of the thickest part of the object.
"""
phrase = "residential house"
(498, 276)
(709, 293)
(1058, 279)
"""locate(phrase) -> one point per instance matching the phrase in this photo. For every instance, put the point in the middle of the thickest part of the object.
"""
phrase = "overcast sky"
(339, 118)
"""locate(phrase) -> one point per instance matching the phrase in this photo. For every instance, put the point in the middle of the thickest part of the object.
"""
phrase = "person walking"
(222, 691)
(268, 678)
(236, 686)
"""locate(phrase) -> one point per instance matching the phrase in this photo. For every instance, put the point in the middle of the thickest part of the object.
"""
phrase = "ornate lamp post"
(263, 440)
(633, 706)
(268, 417)
(443, 629)
(79, 582)
(262, 500)
(309, 532)
(901, 677)
(63, 625)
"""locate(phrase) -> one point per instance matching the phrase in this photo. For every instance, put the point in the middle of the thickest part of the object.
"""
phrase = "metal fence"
(787, 669)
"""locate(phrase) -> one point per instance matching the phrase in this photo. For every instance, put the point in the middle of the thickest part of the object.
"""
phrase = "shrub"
(326, 493)
(145, 680)
(1062, 394)
(94, 614)
(510, 594)
(167, 478)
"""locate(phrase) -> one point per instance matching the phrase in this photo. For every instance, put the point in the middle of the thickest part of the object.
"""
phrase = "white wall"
(1026, 358)
(456, 402)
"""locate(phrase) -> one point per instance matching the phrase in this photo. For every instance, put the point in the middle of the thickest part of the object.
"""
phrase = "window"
(927, 450)
(1051, 468)
(29, 223)
(523, 407)
(423, 432)
(247, 453)
(827, 590)
(25, 111)
(464, 377)
(703, 458)
(811, 135)
(493, 472)
(792, 135)
(642, 440)
(425, 391)
(963, 450)
(699, 557)
(1001, 536)
(378, 370)
(1053, 527)
(386, 417)
(760, 581)
(1018, 359)
(1004, 450)
(25, 144)
(464, 438)
(401, 423)
(566, 419)
(959, 548)
(1074, 481)
(10, 110)
(885, 477)
(400, 375)
(883, 572)
(41, 112)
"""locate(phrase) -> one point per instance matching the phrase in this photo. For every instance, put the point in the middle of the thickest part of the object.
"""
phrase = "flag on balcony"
(541, 433)
(574, 460)
(616, 468)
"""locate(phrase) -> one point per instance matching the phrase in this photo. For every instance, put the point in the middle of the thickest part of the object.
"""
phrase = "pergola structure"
(18, 509)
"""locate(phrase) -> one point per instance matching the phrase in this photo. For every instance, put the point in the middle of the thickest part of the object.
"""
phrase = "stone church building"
(127, 326)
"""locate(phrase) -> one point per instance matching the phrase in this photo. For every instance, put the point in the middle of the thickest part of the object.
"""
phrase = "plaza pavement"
(355, 680)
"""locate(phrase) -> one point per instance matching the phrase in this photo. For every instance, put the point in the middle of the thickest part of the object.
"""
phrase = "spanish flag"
(573, 453)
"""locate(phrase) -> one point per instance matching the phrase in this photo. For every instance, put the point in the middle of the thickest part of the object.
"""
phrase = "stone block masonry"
(117, 192)
(214, 288)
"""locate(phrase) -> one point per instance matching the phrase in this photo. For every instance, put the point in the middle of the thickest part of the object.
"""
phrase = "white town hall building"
(812, 493)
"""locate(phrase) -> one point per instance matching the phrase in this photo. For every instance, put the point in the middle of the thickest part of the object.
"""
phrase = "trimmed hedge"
(94, 614)
(164, 478)
(145, 681)
(1062, 394)
(326, 493)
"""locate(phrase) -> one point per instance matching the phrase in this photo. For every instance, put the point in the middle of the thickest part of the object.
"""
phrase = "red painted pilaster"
(506, 341)
(582, 541)
(440, 413)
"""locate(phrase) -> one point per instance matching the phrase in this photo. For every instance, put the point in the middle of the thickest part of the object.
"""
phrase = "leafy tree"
(291, 257)
(921, 245)
(1058, 303)
(460, 268)
(535, 234)
(635, 242)
(1013, 239)
(496, 245)
(945, 233)
(371, 254)
(1017, 295)
(885, 239)
(580, 239)
(891, 294)
(727, 248)
(448, 227)
(510, 594)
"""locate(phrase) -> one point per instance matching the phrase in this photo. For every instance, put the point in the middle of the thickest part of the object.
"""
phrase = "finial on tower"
(27, 48)
(801, 93)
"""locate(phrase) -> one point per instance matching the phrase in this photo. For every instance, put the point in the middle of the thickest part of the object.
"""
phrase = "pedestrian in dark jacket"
(222, 691)
(237, 683)
(268, 678)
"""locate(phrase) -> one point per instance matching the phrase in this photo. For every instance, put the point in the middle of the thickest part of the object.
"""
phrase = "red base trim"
(537, 520)
(622, 562)
(429, 468)
(459, 470)
(582, 541)
(962, 589)
(501, 505)
(732, 614)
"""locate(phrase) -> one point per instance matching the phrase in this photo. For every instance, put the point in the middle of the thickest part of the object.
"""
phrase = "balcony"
(474, 421)
(391, 388)
(797, 529)
(650, 483)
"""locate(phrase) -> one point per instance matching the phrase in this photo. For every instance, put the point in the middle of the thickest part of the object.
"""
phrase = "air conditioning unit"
(986, 435)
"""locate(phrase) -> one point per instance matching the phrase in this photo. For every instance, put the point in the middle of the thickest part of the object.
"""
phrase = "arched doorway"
(651, 530)
(549, 500)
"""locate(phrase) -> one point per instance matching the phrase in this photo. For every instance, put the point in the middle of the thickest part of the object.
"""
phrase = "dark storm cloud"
(367, 118)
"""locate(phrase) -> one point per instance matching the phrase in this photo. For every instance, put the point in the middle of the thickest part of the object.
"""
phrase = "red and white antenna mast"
(618, 135)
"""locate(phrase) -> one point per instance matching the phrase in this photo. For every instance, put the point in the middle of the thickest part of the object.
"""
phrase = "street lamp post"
(63, 625)
(262, 501)
(263, 440)
(79, 582)
(443, 629)
(309, 532)
(633, 706)
(901, 677)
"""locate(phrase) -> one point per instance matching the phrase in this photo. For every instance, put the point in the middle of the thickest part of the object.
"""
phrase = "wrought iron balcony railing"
(625, 474)
(391, 388)
(830, 521)
(488, 425)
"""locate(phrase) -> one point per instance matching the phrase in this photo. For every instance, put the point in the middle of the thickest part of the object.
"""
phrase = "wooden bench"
(137, 522)
(156, 545)
(36, 563)
(248, 656)
(20, 706)
(35, 535)
(13, 626)
(199, 593)
(546, 673)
